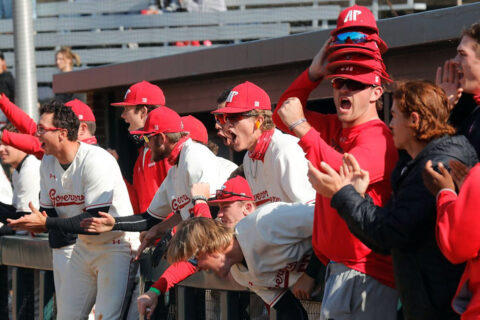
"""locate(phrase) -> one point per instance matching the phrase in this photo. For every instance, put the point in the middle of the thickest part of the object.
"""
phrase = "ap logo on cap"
(352, 15)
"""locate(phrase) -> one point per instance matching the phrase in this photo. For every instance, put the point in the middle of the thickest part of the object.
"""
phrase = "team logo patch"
(126, 94)
(231, 95)
(352, 15)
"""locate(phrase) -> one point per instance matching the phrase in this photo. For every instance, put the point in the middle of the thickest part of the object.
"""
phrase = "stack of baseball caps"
(355, 51)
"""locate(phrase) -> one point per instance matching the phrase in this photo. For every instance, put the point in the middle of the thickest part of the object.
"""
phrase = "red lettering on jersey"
(52, 176)
(63, 200)
(116, 241)
(180, 202)
(263, 197)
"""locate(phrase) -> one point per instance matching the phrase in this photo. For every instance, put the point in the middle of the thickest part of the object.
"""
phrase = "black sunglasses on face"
(351, 85)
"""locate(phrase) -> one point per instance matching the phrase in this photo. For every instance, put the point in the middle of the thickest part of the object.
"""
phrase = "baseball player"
(6, 197)
(356, 129)
(25, 180)
(61, 242)
(191, 163)
(140, 99)
(26, 187)
(26, 140)
(267, 251)
(274, 166)
(77, 177)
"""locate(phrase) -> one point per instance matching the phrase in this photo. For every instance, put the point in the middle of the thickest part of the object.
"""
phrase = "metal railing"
(35, 253)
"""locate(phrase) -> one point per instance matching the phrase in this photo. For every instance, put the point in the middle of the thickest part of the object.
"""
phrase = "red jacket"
(458, 236)
(372, 145)
(147, 178)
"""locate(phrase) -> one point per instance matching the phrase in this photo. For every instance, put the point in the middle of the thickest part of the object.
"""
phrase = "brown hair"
(69, 54)
(474, 32)
(431, 104)
(197, 236)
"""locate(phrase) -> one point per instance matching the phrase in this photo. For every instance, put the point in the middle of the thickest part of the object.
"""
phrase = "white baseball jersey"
(196, 164)
(276, 241)
(92, 180)
(6, 193)
(282, 175)
(26, 184)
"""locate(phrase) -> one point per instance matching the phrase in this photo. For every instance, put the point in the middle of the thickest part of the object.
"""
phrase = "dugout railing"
(34, 253)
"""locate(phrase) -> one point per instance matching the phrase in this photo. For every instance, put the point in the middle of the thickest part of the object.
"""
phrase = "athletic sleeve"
(301, 89)
(458, 223)
(136, 223)
(174, 274)
(72, 225)
(57, 238)
(9, 212)
(24, 142)
(19, 118)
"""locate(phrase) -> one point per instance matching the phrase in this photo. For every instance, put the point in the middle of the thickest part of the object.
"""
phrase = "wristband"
(154, 290)
(296, 123)
(196, 198)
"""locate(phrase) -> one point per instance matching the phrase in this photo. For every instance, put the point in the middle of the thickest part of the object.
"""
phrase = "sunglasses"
(222, 118)
(223, 194)
(351, 85)
(42, 129)
(351, 37)
(147, 137)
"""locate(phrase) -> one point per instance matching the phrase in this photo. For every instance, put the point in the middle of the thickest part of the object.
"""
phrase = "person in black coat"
(405, 227)
(7, 82)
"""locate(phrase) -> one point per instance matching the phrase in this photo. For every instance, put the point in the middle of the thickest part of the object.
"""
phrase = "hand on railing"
(146, 304)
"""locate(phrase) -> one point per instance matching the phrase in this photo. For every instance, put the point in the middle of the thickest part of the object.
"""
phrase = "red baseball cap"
(342, 52)
(235, 189)
(355, 17)
(356, 59)
(142, 93)
(161, 120)
(357, 73)
(372, 45)
(83, 111)
(245, 97)
(197, 129)
(372, 65)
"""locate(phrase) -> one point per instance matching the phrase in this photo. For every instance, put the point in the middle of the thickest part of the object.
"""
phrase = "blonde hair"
(197, 236)
(267, 118)
(69, 54)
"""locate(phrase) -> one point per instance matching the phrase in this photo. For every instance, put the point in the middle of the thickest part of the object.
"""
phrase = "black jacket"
(426, 281)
